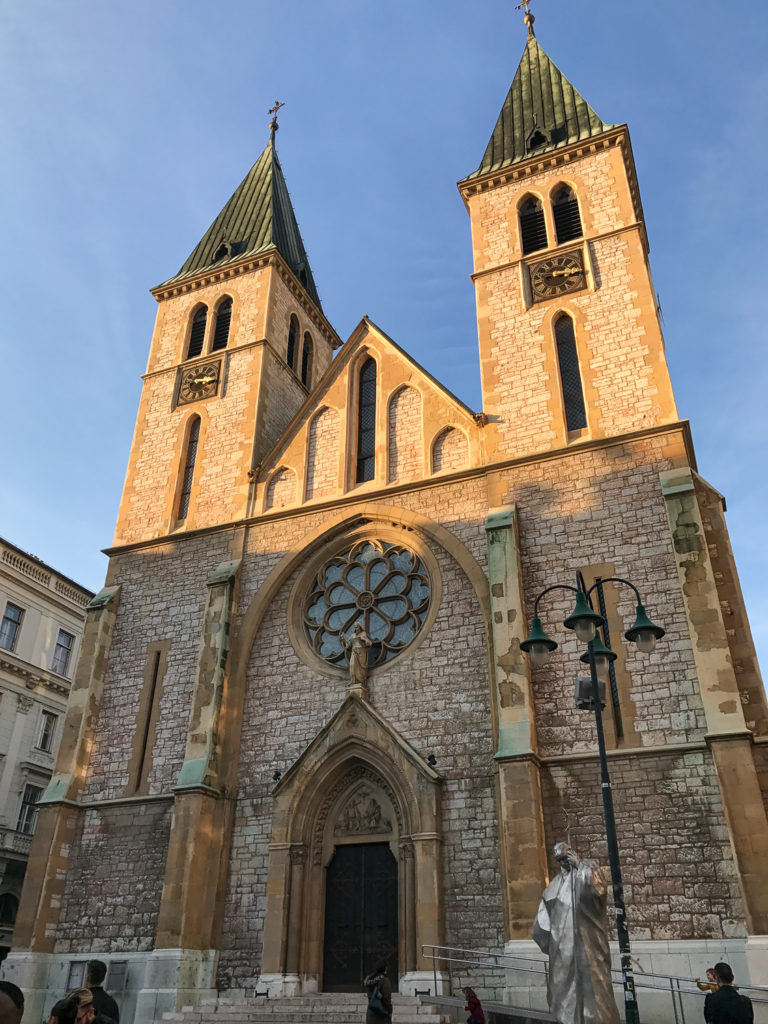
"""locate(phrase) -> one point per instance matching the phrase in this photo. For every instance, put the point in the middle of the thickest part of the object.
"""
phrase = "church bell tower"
(571, 347)
(240, 340)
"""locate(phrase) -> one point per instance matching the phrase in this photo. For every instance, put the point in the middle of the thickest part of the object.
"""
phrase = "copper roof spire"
(529, 18)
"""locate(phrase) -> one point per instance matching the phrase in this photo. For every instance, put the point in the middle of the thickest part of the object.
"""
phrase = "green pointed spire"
(542, 112)
(259, 216)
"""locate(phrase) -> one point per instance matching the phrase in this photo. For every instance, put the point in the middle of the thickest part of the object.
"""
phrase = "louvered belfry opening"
(570, 376)
(567, 217)
(533, 230)
(223, 319)
(366, 422)
(189, 468)
(293, 338)
(306, 360)
(197, 334)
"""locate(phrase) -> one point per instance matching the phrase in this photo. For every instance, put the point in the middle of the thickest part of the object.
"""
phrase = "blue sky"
(125, 127)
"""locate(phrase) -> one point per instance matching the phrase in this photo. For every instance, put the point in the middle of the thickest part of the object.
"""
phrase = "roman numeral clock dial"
(557, 275)
(201, 381)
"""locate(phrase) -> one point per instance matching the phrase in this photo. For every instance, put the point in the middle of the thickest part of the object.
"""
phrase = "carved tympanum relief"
(362, 815)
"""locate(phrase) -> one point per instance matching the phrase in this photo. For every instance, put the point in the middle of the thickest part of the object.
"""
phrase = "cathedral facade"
(303, 734)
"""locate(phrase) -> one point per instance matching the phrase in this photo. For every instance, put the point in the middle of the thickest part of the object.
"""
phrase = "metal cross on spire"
(529, 18)
(273, 125)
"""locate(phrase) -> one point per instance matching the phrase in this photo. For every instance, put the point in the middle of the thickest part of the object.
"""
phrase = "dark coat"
(104, 1003)
(727, 1006)
(369, 984)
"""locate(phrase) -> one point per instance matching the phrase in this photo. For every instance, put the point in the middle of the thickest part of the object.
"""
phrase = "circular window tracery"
(385, 587)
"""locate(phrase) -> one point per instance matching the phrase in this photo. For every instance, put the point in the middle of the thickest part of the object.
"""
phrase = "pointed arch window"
(533, 230)
(306, 361)
(293, 342)
(570, 376)
(197, 334)
(366, 422)
(565, 208)
(223, 320)
(188, 472)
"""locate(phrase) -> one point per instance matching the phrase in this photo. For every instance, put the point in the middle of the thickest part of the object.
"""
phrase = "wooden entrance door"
(360, 915)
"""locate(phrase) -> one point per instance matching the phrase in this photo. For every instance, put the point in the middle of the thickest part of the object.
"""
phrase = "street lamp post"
(584, 621)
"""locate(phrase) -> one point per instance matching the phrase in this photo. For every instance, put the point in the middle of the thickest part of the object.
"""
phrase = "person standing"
(727, 1005)
(95, 973)
(474, 1006)
(378, 982)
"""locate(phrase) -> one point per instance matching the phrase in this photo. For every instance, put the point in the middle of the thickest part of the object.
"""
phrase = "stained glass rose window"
(385, 587)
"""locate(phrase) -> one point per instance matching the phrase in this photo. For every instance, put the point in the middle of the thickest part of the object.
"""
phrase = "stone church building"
(251, 793)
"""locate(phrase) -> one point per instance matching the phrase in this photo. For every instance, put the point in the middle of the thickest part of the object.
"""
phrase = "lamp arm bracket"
(616, 579)
(556, 586)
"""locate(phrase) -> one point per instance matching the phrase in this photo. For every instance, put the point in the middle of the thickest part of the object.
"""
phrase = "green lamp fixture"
(537, 643)
(644, 633)
(603, 657)
(582, 620)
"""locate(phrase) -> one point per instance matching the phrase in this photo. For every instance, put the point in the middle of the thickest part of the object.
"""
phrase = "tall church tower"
(240, 339)
(570, 342)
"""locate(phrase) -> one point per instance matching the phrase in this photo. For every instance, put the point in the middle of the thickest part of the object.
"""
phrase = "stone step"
(314, 1008)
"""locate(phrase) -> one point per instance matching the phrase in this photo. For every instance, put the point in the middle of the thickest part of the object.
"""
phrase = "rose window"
(384, 587)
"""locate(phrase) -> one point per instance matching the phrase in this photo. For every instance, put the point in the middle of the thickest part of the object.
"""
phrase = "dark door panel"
(360, 915)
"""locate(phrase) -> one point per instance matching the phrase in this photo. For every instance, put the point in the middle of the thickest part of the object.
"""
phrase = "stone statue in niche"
(362, 815)
(356, 647)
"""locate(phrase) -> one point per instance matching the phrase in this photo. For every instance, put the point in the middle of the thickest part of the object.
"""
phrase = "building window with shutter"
(565, 209)
(221, 330)
(570, 376)
(197, 333)
(10, 626)
(28, 813)
(293, 343)
(366, 422)
(189, 468)
(46, 731)
(306, 361)
(533, 230)
(62, 652)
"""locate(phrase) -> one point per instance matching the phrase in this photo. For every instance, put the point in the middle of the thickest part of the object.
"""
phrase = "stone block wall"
(114, 885)
(678, 871)
(406, 442)
(323, 455)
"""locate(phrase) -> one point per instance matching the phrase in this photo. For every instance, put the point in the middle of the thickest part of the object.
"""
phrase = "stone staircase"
(318, 1008)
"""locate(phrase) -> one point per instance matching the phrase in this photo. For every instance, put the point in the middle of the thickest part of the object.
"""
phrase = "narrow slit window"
(565, 208)
(306, 361)
(197, 334)
(570, 376)
(221, 331)
(533, 230)
(366, 422)
(293, 341)
(189, 468)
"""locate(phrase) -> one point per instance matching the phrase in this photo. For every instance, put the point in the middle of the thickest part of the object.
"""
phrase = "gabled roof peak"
(542, 112)
(257, 217)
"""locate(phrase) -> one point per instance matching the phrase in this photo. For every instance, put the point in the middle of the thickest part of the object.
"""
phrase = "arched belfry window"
(533, 230)
(565, 208)
(223, 320)
(570, 376)
(188, 473)
(293, 343)
(306, 360)
(366, 422)
(197, 334)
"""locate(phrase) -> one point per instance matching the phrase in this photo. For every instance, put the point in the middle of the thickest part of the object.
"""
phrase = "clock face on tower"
(201, 381)
(557, 275)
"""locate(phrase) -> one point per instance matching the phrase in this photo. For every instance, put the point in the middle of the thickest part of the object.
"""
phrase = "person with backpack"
(379, 989)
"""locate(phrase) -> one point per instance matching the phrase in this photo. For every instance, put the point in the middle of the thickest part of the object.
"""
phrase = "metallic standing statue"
(571, 927)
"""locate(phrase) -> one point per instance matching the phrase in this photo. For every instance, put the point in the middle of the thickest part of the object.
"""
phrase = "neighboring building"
(43, 613)
(226, 798)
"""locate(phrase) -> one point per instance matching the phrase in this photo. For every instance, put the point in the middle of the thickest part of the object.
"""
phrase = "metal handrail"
(486, 958)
